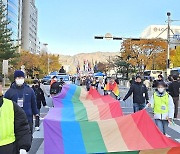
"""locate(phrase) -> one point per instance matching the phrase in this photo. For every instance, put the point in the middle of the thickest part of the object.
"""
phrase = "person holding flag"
(163, 107)
(112, 89)
(140, 94)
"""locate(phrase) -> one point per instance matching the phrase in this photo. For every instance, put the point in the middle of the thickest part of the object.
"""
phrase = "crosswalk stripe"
(175, 127)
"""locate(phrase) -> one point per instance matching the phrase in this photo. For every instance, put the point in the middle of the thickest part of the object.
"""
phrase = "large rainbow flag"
(87, 123)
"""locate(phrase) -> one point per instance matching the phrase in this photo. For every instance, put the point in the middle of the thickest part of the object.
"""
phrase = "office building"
(29, 26)
(160, 31)
(23, 15)
(13, 8)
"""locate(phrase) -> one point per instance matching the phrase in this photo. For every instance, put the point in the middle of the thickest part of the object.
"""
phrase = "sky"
(69, 26)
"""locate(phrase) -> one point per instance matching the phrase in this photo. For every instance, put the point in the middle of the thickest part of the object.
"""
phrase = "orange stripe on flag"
(131, 134)
(112, 136)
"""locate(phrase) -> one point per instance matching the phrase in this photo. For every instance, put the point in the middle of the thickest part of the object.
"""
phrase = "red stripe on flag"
(174, 151)
(150, 132)
(115, 109)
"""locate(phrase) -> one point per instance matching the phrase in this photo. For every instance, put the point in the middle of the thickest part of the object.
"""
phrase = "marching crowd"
(164, 101)
(21, 103)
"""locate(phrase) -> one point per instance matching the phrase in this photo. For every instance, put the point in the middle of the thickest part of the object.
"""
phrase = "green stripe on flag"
(92, 137)
(79, 109)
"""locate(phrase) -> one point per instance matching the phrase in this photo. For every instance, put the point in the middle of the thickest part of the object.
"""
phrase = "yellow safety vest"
(161, 104)
(7, 135)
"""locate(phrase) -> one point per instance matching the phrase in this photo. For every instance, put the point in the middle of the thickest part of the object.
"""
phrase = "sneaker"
(37, 129)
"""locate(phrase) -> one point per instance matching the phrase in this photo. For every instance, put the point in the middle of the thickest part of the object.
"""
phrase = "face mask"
(55, 79)
(161, 90)
(19, 82)
(36, 85)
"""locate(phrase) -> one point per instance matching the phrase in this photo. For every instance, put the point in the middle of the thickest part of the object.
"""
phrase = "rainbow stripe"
(115, 89)
(84, 123)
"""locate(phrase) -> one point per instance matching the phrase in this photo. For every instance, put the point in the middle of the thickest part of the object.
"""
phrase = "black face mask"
(36, 86)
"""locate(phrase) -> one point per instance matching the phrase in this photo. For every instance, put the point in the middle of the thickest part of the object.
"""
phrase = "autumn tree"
(140, 53)
(36, 65)
(102, 67)
(175, 57)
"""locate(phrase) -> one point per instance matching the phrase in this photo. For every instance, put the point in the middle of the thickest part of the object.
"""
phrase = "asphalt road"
(38, 146)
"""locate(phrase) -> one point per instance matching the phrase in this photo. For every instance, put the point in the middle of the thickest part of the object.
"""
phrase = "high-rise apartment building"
(29, 26)
(23, 15)
(13, 9)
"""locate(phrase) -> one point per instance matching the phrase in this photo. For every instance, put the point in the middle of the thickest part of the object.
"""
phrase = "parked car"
(66, 78)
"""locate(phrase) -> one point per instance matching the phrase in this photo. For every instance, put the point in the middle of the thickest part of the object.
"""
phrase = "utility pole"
(168, 40)
(45, 44)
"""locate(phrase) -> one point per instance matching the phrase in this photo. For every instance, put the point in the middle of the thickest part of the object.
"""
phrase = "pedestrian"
(46, 92)
(94, 83)
(15, 135)
(62, 83)
(100, 87)
(112, 89)
(88, 83)
(140, 94)
(163, 107)
(55, 88)
(24, 96)
(160, 79)
(40, 99)
(174, 92)
(54, 79)
(117, 81)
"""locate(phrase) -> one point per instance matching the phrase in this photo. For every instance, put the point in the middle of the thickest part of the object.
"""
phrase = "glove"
(22, 151)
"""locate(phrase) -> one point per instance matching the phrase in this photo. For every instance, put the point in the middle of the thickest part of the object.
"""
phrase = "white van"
(153, 73)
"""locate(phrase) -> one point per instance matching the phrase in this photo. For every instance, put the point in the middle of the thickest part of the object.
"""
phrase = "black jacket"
(174, 89)
(140, 93)
(40, 99)
(22, 132)
(55, 88)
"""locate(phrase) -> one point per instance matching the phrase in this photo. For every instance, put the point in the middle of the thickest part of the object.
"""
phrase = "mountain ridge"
(70, 62)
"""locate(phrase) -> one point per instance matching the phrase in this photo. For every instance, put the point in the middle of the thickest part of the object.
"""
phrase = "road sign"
(108, 36)
(5, 67)
(176, 36)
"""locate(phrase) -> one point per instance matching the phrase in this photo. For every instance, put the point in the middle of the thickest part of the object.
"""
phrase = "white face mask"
(161, 90)
(19, 82)
(55, 79)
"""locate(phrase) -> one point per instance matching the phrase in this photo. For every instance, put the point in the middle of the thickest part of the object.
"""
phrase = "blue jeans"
(137, 107)
(162, 125)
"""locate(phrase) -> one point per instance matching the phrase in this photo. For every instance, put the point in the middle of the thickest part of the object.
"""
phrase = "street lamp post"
(168, 40)
(45, 44)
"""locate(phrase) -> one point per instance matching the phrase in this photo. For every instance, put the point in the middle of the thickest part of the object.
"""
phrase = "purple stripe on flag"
(53, 140)
(57, 99)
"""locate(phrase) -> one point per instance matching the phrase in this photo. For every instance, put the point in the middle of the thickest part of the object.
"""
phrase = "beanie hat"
(18, 73)
(138, 76)
(35, 81)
